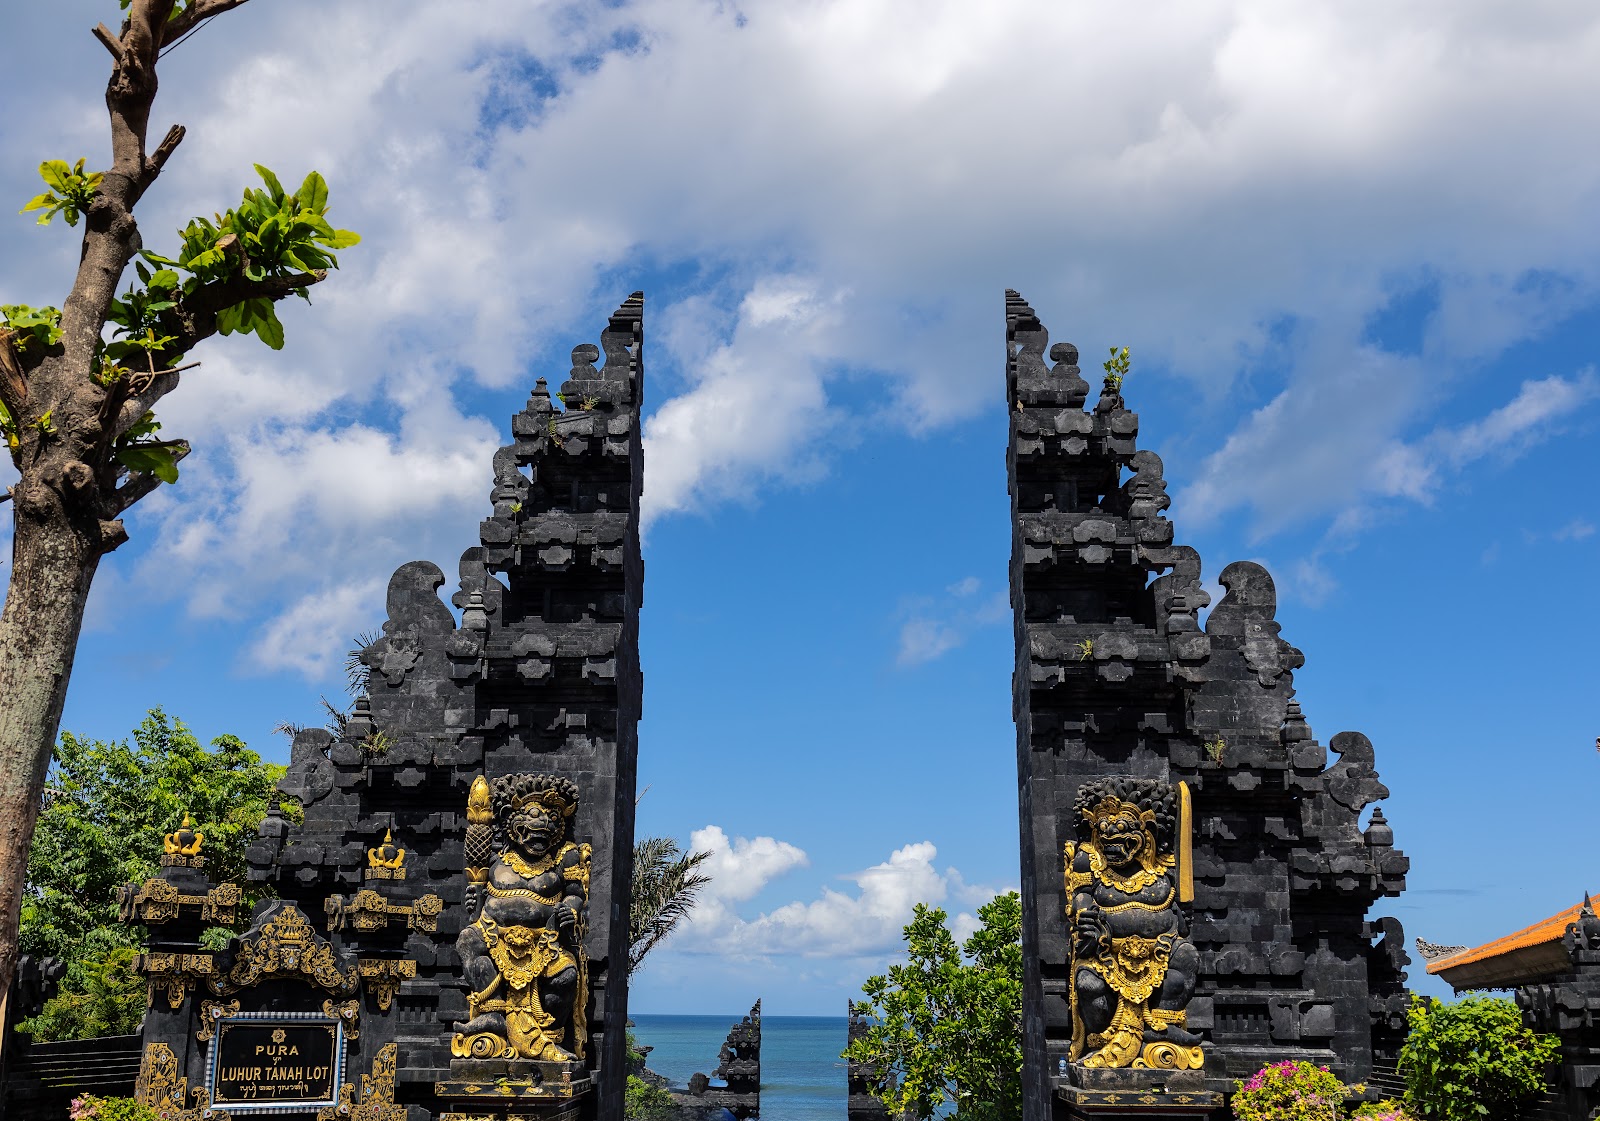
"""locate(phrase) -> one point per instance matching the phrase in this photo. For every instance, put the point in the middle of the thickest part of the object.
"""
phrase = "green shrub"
(1386, 1110)
(91, 1108)
(1289, 1091)
(1472, 1060)
(109, 998)
(645, 1102)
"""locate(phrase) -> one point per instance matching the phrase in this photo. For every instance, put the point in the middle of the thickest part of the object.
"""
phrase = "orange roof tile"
(1532, 952)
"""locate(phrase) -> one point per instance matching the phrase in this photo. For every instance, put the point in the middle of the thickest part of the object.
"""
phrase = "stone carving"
(177, 975)
(162, 1089)
(528, 896)
(739, 1068)
(377, 1094)
(387, 861)
(1132, 970)
(282, 943)
(383, 977)
(540, 675)
(181, 848)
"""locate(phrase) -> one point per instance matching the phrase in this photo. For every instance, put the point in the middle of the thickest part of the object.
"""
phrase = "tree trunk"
(53, 563)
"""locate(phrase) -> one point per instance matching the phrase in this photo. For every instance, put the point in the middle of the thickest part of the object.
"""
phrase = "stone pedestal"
(1177, 1095)
(513, 1089)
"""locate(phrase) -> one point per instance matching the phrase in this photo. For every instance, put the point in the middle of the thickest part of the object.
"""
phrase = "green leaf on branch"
(136, 451)
(71, 191)
(32, 326)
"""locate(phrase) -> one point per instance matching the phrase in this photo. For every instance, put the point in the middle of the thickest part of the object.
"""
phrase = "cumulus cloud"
(1210, 172)
(739, 868)
(836, 924)
(1327, 448)
(934, 626)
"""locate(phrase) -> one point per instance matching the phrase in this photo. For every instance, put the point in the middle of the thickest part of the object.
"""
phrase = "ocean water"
(802, 1075)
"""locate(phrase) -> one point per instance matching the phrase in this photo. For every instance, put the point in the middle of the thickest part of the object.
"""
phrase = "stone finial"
(184, 841)
(1378, 833)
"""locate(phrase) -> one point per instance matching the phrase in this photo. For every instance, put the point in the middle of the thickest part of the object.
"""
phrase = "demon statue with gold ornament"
(527, 897)
(1132, 968)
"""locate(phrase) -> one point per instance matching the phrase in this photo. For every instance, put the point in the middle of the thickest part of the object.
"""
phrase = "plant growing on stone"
(1216, 748)
(1289, 1091)
(1116, 367)
(1085, 649)
(1473, 1060)
(78, 387)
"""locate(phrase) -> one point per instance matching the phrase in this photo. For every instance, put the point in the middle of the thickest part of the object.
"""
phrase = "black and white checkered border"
(340, 1046)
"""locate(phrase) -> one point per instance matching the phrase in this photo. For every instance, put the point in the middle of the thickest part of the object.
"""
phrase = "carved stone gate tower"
(1212, 917)
(500, 754)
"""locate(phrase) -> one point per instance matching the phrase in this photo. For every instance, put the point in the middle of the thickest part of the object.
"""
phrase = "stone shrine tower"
(534, 700)
(1267, 875)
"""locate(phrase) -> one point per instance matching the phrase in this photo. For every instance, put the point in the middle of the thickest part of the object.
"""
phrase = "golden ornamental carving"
(368, 910)
(156, 901)
(286, 945)
(527, 899)
(346, 1012)
(387, 861)
(162, 1090)
(1132, 970)
(174, 974)
(383, 976)
(210, 1012)
(181, 848)
(377, 1094)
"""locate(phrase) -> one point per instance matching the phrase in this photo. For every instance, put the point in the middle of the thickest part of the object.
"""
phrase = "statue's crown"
(550, 798)
(1111, 806)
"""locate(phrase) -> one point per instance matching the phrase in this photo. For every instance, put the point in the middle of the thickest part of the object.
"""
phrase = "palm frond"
(666, 886)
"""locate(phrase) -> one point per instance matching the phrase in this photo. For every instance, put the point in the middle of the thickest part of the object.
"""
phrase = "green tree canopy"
(947, 1024)
(107, 807)
(1473, 1060)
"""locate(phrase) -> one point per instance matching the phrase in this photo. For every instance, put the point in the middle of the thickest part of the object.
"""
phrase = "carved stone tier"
(1116, 675)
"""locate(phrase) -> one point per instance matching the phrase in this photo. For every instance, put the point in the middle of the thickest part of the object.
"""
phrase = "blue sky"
(1352, 247)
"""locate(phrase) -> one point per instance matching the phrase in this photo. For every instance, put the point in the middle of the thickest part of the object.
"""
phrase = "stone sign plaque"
(275, 1063)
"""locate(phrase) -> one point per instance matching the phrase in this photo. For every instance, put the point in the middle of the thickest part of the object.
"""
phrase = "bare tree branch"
(196, 14)
(140, 403)
(164, 150)
(110, 41)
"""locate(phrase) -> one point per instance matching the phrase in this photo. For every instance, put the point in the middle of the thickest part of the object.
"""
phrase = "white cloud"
(936, 626)
(837, 923)
(307, 637)
(1520, 422)
(1210, 171)
(741, 867)
(1326, 448)
(1575, 530)
(756, 405)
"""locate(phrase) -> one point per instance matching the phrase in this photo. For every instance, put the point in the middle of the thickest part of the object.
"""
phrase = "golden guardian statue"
(1132, 968)
(528, 898)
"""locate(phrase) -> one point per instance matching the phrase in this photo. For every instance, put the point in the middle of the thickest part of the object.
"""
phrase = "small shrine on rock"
(1195, 873)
